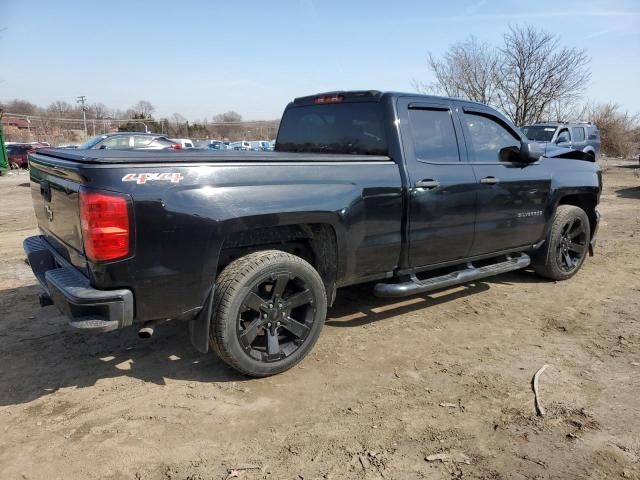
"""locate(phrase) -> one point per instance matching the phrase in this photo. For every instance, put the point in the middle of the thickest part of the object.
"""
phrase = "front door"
(442, 189)
(513, 197)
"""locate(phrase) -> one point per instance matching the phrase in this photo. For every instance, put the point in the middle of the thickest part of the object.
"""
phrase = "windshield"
(351, 128)
(91, 142)
(539, 133)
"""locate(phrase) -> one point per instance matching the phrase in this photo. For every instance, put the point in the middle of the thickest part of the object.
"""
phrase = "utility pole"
(82, 99)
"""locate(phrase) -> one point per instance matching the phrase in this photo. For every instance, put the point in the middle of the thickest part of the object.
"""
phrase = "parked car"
(260, 146)
(241, 145)
(68, 145)
(184, 142)
(18, 153)
(130, 141)
(211, 145)
(415, 192)
(573, 136)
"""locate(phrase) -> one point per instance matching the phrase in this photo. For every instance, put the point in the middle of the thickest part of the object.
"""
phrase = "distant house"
(21, 123)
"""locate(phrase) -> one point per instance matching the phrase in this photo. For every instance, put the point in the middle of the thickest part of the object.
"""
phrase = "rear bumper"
(87, 308)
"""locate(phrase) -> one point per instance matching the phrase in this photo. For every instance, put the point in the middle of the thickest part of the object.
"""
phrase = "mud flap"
(199, 326)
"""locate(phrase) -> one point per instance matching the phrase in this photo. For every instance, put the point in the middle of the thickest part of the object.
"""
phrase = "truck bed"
(197, 156)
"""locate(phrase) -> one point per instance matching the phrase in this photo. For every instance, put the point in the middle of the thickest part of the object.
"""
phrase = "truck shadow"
(41, 355)
(629, 192)
(356, 305)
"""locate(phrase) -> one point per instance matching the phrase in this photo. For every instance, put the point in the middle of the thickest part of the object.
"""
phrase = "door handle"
(427, 184)
(490, 180)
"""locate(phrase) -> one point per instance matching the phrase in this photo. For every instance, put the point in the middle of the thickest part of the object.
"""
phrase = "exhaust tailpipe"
(147, 330)
(45, 300)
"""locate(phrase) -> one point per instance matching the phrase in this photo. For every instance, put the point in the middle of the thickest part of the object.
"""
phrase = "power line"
(135, 120)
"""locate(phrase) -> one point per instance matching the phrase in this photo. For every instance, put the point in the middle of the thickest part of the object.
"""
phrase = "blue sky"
(200, 58)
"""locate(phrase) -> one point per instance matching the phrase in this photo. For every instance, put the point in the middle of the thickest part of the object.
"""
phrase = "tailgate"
(54, 191)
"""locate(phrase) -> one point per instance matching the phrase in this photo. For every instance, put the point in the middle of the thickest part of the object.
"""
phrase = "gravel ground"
(389, 384)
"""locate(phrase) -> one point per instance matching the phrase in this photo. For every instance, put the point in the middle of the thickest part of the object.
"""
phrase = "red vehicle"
(18, 152)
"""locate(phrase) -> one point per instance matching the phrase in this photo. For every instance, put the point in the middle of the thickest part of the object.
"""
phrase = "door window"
(487, 138)
(433, 135)
(563, 136)
(116, 142)
(578, 134)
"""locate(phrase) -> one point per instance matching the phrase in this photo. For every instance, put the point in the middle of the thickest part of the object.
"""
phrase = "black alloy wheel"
(572, 246)
(565, 248)
(276, 317)
(268, 310)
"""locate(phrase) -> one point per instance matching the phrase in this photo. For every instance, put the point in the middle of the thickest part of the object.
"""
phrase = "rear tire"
(268, 311)
(566, 245)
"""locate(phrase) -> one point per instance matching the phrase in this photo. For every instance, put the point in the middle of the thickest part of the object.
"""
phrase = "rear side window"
(141, 141)
(433, 135)
(594, 134)
(578, 134)
(487, 138)
(347, 128)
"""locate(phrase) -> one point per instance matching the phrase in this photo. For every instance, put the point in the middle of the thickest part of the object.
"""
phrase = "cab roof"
(370, 96)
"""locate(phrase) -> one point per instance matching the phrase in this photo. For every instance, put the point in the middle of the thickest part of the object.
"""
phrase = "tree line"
(62, 122)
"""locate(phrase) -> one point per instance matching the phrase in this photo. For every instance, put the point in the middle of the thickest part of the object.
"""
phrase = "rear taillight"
(105, 226)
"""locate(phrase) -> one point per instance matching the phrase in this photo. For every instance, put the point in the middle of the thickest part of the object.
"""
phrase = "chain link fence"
(62, 131)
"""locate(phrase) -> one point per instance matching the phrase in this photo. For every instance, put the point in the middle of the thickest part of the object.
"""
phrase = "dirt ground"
(388, 384)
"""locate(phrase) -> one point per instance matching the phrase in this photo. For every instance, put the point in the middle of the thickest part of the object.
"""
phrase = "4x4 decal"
(141, 178)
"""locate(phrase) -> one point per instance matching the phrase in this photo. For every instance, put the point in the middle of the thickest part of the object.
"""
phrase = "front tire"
(268, 311)
(566, 246)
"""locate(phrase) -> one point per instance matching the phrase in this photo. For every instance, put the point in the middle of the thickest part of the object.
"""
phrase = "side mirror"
(530, 152)
(563, 138)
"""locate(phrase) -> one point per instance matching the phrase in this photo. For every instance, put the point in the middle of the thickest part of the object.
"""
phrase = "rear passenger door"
(578, 138)
(512, 196)
(441, 210)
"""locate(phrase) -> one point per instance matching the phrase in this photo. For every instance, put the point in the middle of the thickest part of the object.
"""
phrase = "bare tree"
(535, 72)
(617, 128)
(232, 129)
(178, 125)
(60, 108)
(20, 107)
(529, 77)
(468, 69)
(144, 108)
(100, 110)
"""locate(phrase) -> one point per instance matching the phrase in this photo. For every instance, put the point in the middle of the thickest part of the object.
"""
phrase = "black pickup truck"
(414, 192)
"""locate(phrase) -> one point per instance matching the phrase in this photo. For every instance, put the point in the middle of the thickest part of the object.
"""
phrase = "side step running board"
(414, 285)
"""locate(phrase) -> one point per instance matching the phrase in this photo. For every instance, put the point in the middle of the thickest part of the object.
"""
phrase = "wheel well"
(316, 243)
(586, 202)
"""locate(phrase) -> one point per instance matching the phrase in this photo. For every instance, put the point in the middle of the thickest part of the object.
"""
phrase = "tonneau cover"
(197, 156)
